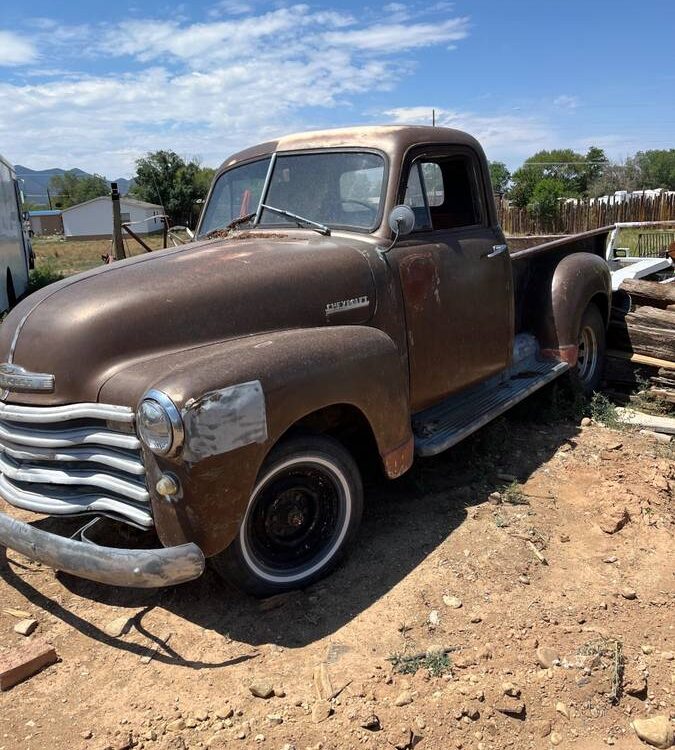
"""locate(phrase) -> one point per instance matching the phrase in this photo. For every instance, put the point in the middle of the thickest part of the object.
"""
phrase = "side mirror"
(401, 220)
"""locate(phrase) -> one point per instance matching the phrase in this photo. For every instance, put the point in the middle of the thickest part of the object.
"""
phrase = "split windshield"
(338, 189)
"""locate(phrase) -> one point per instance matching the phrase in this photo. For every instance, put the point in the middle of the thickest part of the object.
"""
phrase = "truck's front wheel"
(304, 510)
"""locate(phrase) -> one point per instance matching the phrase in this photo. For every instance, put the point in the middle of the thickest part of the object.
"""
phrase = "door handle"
(496, 250)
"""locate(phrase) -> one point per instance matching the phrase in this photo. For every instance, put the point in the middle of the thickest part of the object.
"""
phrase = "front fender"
(299, 372)
(577, 280)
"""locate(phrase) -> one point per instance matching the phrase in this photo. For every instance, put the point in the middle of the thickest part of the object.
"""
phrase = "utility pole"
(433, 118)
(118, 242)
(49, 198)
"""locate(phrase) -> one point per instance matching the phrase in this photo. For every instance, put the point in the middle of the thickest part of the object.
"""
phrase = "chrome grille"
(71, 460)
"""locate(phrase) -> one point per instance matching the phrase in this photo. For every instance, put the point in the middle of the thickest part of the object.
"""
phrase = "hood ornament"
(19, 380)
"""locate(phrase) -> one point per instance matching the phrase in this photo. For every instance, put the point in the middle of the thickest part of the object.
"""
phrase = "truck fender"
(242, 396)
(578, 280)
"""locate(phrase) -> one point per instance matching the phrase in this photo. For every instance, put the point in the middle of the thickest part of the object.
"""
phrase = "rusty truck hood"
(89, 327)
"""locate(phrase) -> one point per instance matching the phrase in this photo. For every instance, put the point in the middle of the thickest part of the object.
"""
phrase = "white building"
(93, 219)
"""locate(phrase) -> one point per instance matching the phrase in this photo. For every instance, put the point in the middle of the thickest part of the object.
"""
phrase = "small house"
(92, 220)
(46, 223)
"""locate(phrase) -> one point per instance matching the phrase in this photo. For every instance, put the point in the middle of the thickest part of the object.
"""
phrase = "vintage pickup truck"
(346, 288)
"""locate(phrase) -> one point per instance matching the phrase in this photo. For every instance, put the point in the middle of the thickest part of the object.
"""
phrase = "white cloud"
(231, 8)
(565, 101)
(503, 136)
(396, 37)
(200, 88)
(15, 49)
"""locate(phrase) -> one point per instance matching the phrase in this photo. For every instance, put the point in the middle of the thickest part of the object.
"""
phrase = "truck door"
(455, 275)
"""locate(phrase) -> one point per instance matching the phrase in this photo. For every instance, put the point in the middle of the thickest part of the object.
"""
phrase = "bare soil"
(181, 676)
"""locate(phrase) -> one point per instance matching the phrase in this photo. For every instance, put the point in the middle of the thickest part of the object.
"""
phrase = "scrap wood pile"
(641, 349)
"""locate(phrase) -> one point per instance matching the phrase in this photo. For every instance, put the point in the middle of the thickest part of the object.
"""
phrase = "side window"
(448, 188)
(415, 198)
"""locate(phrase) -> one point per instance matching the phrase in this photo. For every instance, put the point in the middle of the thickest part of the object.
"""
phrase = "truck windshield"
(337, 189)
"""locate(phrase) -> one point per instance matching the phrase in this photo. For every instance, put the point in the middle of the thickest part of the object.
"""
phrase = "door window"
(444, 193)
(416, 199)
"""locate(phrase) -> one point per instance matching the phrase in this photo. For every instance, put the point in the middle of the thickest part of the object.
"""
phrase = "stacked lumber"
(641, 339)
(650, 293)
(648, 331)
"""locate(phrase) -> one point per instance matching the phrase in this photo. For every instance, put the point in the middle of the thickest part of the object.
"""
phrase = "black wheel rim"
(295, 520)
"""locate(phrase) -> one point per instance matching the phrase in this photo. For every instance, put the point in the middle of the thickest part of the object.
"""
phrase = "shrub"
(43, 276)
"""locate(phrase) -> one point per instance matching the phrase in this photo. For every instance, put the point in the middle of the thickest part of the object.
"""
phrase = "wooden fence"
(584, 215)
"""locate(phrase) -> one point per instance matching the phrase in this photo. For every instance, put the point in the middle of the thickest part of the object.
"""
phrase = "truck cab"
(345, 287)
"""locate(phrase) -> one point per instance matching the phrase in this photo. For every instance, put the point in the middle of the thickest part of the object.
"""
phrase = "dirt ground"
(562, 633)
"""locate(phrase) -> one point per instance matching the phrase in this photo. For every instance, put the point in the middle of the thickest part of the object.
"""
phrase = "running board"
(441, 426)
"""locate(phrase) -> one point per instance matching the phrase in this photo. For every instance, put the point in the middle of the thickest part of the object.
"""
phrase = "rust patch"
(221, 234)
(569, 354)
(419, 278)
(399, 460)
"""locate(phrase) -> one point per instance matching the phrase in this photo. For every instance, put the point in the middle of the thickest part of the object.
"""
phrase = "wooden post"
(118, 242)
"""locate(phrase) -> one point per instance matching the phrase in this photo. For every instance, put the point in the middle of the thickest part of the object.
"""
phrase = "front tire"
(303, 513)
(591, 357)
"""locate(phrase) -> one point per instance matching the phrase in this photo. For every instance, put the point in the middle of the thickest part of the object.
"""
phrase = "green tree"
(166, 178)
(572, 170)
(500, 177)
(653, 169)
(71, 188)
(545, 200)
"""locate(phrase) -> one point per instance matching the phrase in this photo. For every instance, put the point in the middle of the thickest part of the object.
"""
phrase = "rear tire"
(303, 513)
(587, 374)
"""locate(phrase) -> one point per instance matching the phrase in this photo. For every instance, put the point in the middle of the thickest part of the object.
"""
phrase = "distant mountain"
(36, 182)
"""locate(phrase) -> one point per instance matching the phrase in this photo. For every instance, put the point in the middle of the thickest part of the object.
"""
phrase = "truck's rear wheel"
(591, 342)
(303, 513)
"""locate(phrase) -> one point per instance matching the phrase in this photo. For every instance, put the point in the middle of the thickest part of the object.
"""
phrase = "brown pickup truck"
(346, 288)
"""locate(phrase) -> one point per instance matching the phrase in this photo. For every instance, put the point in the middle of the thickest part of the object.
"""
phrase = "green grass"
(69, 257)
(604, 411)
(628, 238)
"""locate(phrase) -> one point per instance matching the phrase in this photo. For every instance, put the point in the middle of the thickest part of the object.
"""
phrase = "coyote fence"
(584, 215)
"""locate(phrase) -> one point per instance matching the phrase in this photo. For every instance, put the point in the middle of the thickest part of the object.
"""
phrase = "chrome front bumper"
(137, 568)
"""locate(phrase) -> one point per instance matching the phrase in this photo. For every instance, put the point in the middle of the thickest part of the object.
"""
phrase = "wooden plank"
(647, 421)
(649, 293)
(652, 316)
(23, 662)
(640, 359)
(646, 340)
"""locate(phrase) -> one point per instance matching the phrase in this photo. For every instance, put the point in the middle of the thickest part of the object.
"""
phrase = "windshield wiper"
(240, 220)
(223, 232)
(299, 220)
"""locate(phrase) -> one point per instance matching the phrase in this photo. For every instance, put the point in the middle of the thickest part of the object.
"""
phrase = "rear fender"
(578, 280)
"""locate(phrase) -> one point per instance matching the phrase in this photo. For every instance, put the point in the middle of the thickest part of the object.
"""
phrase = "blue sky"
(95, 85)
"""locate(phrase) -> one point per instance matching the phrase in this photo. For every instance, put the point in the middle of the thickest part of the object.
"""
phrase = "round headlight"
(159, 424)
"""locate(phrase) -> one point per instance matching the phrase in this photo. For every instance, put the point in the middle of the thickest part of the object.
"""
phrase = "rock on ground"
(657, 731)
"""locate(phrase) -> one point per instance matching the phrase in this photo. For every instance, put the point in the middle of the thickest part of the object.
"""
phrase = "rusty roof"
(392, 139)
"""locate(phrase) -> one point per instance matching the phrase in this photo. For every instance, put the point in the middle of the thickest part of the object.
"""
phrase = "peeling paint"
(220, 421)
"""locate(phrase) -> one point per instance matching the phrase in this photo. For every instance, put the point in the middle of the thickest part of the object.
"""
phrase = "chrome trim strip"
(74, 477)
(51, 414)
(20, 380)
(113, 458)
(139, 568)
(69, 437)
(73, 504)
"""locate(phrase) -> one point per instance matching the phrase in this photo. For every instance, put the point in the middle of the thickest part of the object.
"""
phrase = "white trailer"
(15, 248)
